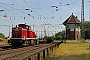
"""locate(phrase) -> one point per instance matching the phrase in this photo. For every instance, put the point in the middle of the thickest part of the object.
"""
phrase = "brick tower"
(72, 28)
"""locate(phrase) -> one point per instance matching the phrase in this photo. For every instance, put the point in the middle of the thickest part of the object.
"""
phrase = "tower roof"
(72, 20)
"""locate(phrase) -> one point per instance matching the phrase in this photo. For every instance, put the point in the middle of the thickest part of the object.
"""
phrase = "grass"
(72, 50)
(3, 42)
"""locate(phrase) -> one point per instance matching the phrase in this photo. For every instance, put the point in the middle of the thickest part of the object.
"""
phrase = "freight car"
(46, 40)
(23, 35)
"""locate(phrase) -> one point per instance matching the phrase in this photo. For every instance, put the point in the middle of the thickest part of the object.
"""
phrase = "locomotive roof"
(23, 24)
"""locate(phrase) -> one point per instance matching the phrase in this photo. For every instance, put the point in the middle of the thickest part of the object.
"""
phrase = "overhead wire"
(71, 8)
(18, 4)
(40, 15)
(23, 10)
(14, 9)
(30, 6)
(10, 11)
(74, 3)
(63, 14)
(23, 7)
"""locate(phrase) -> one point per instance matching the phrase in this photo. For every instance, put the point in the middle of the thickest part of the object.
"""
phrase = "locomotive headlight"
(16, 28)
(23, 37)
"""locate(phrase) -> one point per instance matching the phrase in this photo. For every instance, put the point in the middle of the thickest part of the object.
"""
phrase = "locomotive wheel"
(35, 42)
(32, 42)
(20, 45)
(14, 45)
(29, 43)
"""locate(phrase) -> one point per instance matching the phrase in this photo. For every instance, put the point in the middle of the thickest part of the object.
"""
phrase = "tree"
(86, 26)
(60, 35)
(2, 36)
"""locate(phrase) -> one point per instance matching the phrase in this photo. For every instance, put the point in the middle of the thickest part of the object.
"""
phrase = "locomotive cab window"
(26, 27)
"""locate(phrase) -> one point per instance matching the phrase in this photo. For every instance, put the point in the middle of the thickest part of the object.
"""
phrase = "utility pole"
(82, 12)
(33, 27)
(82, 20)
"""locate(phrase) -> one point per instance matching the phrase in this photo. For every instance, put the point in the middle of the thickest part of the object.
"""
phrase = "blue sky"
(42, 13)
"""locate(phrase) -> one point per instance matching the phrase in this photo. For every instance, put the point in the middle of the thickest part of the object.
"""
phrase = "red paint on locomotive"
(22, 35)
(22, 31)
(30, 34)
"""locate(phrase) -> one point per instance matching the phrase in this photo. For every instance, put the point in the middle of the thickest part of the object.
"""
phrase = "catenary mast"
(82, 20)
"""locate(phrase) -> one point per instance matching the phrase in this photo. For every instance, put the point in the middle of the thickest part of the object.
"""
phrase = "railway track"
(4, 47)
(22, 53)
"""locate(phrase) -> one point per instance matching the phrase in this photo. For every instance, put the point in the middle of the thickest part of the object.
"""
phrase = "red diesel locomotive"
(23, 35)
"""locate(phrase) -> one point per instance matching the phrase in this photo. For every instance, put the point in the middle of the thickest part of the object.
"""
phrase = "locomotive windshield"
(26, 27)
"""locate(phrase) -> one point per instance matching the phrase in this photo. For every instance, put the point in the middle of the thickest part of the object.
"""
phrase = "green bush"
(2, 36)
